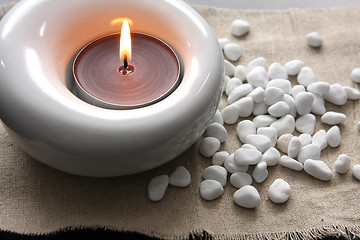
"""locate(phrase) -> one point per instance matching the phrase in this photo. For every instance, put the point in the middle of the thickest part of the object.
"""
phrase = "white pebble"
(314, 39)
(293, 67)
(223, 42)
(291, 163)
(294, 147)
(310, 151)
(270, 132)
(210, 189)
(305, 139)
(240, 179)
(304, 102)
(247, 197)
(239, 27)
(180, 177)
(285, 124)
(245, 156)
(245, 128)
(319, 138)
(245, 105)
(283, 84)
(248, 146)
(318, 106)
(258, 94)
(219, 158)
(290, 101)
(356, 171)
(277, 71)
(296, 90)
(333, 118)
(279, 109)
(217, 118)
(342, 163)
(283, 142)
(157, 187)
(209, 146)
(260, 108)
(229, 68)
(306, 76)
(333, 136)
(306, 123)
(215, 172)
(257, 62)
(258, 77)
(336, 94)
(232, 84)
(279, 191)
(271, 157)
(239, 92)
(226, 79)
(240, 72)
(263, 120)
(216, 130)
(260, 172)
(355, 75)
(318, 87)
(232, 51)
(261, 142)
(352, 93)
(232, 167)
(273, 95)
(318, 169)
(230, 114)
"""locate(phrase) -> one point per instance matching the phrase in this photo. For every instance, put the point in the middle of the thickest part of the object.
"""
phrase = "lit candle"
(138, 72)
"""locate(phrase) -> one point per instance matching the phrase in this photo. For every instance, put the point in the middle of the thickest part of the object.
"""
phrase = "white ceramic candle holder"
(39, 40)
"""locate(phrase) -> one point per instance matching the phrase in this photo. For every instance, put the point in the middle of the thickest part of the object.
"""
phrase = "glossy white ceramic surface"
(39, 39)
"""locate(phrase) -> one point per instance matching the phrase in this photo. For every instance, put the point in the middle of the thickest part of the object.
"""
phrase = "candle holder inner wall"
(39, 40)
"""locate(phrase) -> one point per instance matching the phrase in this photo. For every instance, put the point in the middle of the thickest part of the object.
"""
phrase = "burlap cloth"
(36, 199)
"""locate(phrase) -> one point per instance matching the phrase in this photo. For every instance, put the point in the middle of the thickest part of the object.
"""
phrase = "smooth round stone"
(232, 51)
(209, 146)
(319, 138)
(180, 177)
(279, 109)
(306, 123)
(261, 142)
(318, 169)
(263, 120)
(215, 172)
(318, 106)
(293, 67)
(245, 105)
(232, 84)
(333, 118)
(260, 172)
(296, 90)
(273, 95)
(245, 156)
(239, 27)
(355, 75)
(240, 72)
(342, 163)
(294, 147)
(219, 158)
(318, 87)
(260, 108)
(290, 101)
(283, 84)
(217, 118)
(216, 130)
(258, 94)
(336, 95)
(229, 68)
(157, 187)
(226, 80)
(258, 77)
(257, 62)
(279, 191)
(291, 163)
(306, 76)
(240, 179)
(333, 136)
(310, 151)
(239, 92)
(356, 171)
(305, 139)
(245, 128)
(271, 157)
(283, 142)
(210, 189)
(304, 102)
(230, 114)
(248, 146)
(270, 132)
(286, 124)
(223, 42)
(276, 70)
(352, 93)
(232, 167)
(314, 39)
(247, 197)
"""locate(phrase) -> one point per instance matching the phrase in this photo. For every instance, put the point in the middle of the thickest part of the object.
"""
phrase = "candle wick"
(125, 61)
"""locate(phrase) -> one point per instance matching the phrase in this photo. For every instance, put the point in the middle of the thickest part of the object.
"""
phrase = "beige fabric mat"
(36, 199)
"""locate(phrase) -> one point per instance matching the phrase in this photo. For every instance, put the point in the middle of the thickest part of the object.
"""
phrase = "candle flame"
(125, 42)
